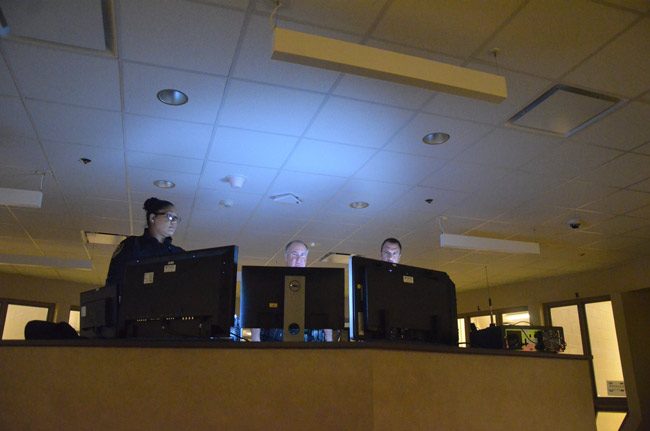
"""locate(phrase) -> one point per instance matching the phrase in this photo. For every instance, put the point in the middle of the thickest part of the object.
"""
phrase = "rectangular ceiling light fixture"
(564, 110)
(488, 244)
(48, 262)
(334, 257)
(102, 238)
(21, 198)
(317, 51)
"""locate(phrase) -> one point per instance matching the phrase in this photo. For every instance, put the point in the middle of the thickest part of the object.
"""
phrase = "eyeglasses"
(171, 217)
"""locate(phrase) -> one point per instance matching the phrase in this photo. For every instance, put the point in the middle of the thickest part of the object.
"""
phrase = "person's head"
(162, 219)
(295, 254)
(391, 250)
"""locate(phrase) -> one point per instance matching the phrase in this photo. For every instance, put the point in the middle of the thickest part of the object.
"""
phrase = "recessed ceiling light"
(435, 138)
(169, 96)
(164, 184)
(359, 205)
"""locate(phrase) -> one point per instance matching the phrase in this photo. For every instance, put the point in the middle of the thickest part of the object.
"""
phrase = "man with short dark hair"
(391, 250)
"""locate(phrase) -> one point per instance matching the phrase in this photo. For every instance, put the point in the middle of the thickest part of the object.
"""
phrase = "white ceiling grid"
(327, 137)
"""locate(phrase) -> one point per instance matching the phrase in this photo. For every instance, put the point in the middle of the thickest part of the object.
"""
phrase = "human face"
(391, 252)
(163, 224)
(296, 256)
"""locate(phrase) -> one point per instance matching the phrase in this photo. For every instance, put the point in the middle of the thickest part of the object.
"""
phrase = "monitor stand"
(294, 308)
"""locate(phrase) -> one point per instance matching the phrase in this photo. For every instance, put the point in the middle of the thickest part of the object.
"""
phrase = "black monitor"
(395, 302)
(268, 293)
(185, 295)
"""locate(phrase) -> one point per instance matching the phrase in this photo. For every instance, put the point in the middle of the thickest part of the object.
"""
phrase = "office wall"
(62, 293)
(626, 277)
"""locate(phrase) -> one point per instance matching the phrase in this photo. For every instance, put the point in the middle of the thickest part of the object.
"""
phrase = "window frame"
(603, 404)
(4, 306)
(498, 318)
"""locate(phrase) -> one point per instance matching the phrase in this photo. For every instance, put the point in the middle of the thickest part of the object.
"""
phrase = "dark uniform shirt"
(136, 247)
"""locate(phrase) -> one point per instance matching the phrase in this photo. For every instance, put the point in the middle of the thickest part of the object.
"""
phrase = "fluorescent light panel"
(21, 198)
(317, 51)
(478, 243)
(102, 238)
(49, 262)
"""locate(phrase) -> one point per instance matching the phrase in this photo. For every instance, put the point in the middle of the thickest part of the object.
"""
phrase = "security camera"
(574, 223)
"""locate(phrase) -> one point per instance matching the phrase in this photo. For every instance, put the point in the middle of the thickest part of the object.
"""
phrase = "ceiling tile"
(415, 200)
(574, 194)
(23, 153)
(482, 206)
(268, 109)
(183, 35)
(518, 187)
(103, 177)
(78, 125)
(141, 180)
(462, 134)
(351, 17)
(142, 84)
(170, 137)
(261, 244)
(452, 20)
(620, 202)
(7, 86)
(464, 177)
(621, 67)
(317, 157)
(257, 180)
(315, 190)
(357, 123)
(621, 172)
(619, 225)
(64, 76)
(570, 159)
(209, 199)
(92, 207)
(522, 89)
(643, 186)
(280, 225)
(378, 194)
(13, 118)
(325, 229)
(508, 148)
(251, 148)
(625, 129)
(388, 93)
(549, 38)
(254, 62)
(643, 212)
(643, 149)
(398, 168)
(227, 219)
(164, 163)
(638, 5)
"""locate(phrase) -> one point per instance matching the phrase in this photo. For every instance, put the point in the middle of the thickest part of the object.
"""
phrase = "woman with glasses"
(156, 240)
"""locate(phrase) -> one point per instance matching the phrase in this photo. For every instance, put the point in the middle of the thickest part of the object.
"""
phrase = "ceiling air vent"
(286, 198)
(564, 110)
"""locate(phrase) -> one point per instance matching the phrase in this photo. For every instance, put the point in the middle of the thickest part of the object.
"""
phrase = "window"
(73, 318)
(482, 320)
(589, 329)
(15, 314)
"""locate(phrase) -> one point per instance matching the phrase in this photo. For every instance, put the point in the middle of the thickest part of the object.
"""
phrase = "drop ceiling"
(79, 89)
